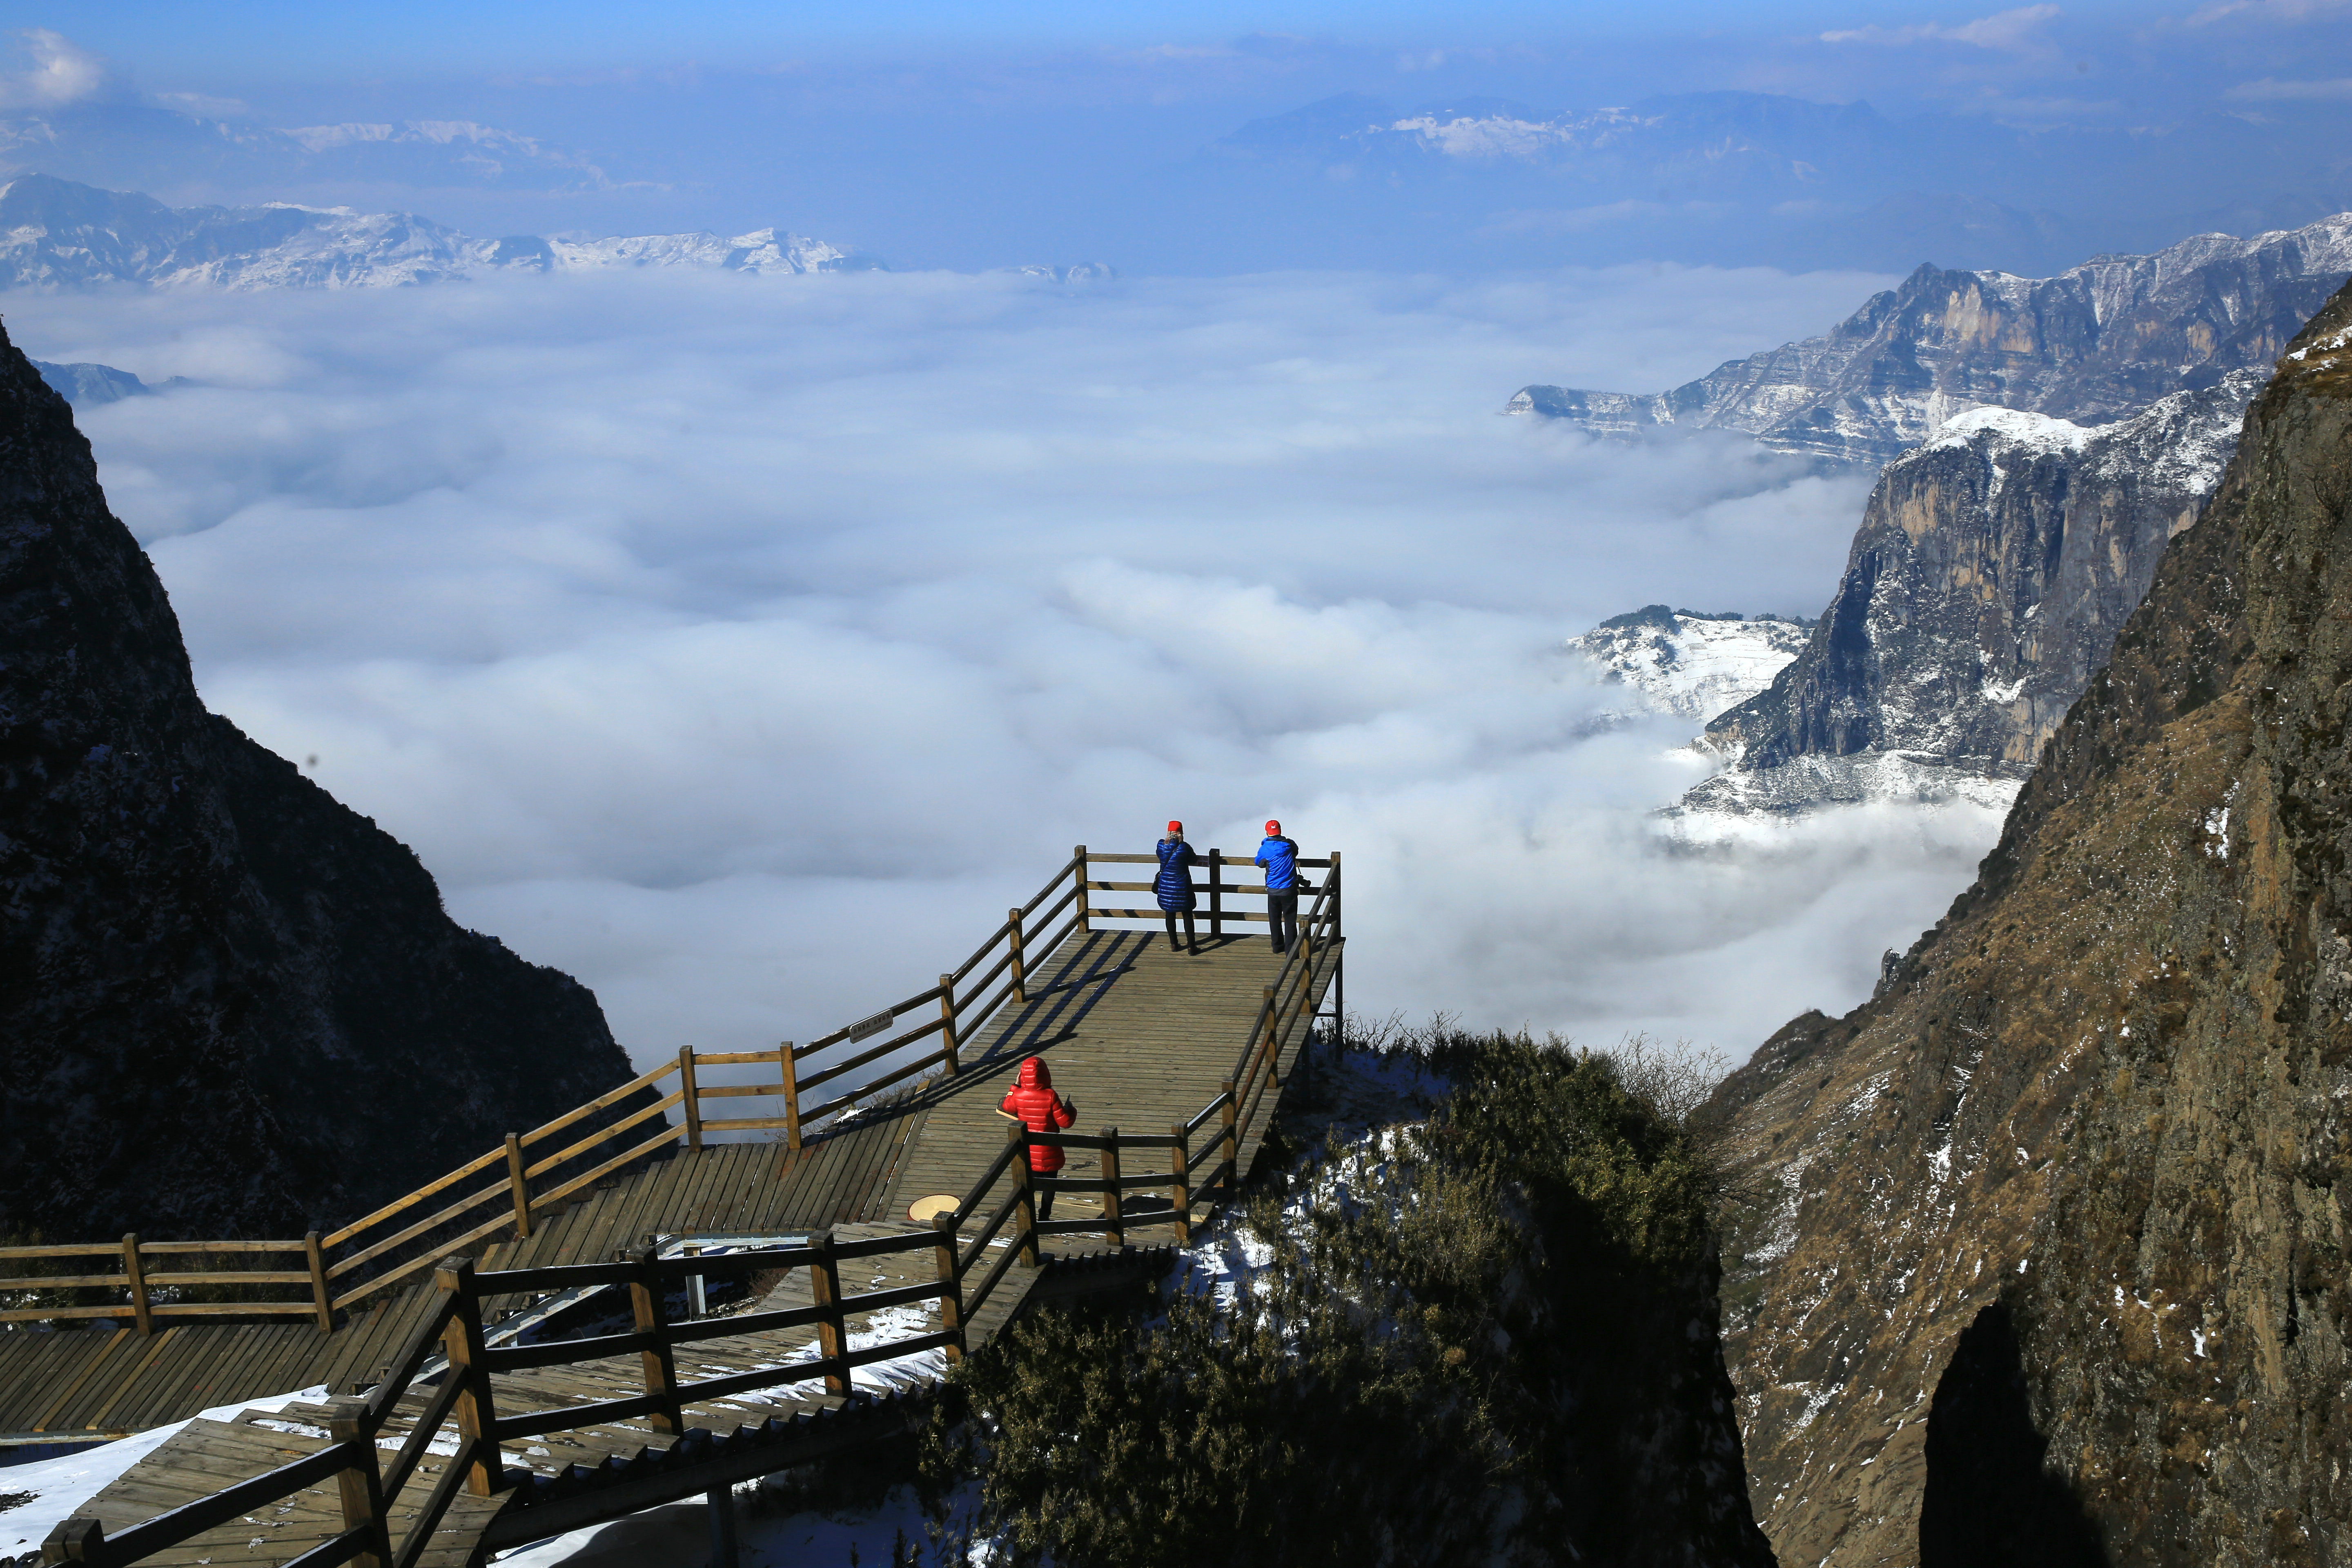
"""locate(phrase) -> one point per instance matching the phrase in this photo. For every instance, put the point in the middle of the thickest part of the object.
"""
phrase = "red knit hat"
(1272, 827)
(1175, 827)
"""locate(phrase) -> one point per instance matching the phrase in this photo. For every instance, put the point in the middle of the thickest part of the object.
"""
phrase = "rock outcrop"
(1991, 572)
(228, 1004)
(2095, 343)
(2051, 1260)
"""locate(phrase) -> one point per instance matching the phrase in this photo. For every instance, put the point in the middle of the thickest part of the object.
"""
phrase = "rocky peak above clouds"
(1981, 594)
(2094, 344)
(1691, 664)
(56, 233)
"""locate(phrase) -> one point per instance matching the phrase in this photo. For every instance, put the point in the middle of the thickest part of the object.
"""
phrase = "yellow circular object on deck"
(922, 1209)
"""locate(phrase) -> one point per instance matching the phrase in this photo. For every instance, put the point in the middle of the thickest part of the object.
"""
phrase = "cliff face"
(1986, 584)
(228, 1004)
(2053, 1267)
(2092, 344)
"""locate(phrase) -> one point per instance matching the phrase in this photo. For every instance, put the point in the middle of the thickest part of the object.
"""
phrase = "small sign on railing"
(866, 1028)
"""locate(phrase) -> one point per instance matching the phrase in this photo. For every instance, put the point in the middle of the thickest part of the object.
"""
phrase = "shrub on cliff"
(1462, 1340)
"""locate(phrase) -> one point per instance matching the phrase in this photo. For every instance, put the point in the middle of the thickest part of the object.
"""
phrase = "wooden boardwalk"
(114, 1381)
(1138, 1037)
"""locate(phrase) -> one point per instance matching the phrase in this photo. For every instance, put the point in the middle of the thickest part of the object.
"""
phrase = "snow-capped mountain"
(55, 234)
(1982, 592)
(1689, 664)
(2092, 344)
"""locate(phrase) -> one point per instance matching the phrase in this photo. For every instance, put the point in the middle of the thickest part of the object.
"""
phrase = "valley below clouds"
(745, 646)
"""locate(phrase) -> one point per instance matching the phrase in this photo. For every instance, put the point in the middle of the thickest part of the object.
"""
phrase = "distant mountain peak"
(58, 233)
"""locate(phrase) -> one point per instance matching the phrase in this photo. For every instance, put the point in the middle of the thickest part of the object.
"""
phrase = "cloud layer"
(746, 646)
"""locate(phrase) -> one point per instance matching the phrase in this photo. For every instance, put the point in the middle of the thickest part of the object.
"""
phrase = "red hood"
(1034, 1076)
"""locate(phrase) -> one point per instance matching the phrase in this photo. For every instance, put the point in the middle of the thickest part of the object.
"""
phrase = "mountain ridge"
(2092, 344)
(229, 1004)
(58, 233)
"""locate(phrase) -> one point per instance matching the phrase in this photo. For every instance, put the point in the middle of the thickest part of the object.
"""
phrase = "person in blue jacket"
(1173, 887)
(1279, 855)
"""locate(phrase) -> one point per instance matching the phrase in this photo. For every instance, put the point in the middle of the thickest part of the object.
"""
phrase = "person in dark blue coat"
(1173, 887)
(1279, 855)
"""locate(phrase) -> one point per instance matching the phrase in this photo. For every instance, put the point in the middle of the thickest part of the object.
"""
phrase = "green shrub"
(1468, 1345)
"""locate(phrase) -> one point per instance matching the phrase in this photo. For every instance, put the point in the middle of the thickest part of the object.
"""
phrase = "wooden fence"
(966, 1279)
(506, 1190)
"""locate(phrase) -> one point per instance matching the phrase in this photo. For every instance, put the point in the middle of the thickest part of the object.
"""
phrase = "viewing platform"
(877, 1220)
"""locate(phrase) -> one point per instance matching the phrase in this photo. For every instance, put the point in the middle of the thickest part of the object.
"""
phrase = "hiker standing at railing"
(1033, 1104)
(1279, 855)
(1174, 885)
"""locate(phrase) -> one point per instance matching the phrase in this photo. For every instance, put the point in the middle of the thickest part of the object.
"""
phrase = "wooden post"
(645, 1306)
(1086, 901)
(1025, 1196)
(1216, 892)
(791, 1097)
(688, 1102)
(477, 1420)
(518, 1183)
(1181, 1189)
(136, 1273)
(78, 1539)
(1233, 1160)
(948, 1022)
(944, 1250)
(1116, 1231)
(360, 1483)
(726, 1550)
(319, 1298)
(824, 1287)
(1339, 969)
(1020, 960)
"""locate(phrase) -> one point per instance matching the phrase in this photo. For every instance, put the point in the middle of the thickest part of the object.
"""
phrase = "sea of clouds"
(745, 646)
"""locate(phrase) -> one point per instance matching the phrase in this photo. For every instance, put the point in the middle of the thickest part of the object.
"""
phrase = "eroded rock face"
(228, 1004)
(1985, 586)
(2064, 1207)
(2095, 343)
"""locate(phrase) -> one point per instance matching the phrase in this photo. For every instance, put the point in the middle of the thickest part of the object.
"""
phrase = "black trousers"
(1045, 1202)
(1282, 916)
(1189, 940)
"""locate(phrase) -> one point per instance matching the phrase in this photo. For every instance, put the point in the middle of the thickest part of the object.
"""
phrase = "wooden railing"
(506, 1190)
(149, 1288)
(965, 1280)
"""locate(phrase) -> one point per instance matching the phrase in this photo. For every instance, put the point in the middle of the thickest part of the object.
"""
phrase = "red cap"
(1175, 827)
(1273, 827)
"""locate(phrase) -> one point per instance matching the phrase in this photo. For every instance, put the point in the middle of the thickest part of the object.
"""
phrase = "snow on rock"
(1691, 665)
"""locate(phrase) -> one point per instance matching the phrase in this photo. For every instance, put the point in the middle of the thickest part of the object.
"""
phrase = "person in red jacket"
(1033, 1104)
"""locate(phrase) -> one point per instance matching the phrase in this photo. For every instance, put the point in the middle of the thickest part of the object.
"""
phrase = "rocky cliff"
(1690, 663)
(2051, 1264)
(1991, 572)
(2095, 344)
(227, 1004)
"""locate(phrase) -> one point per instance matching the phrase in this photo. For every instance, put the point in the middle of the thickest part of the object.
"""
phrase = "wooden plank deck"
(1138, 1037)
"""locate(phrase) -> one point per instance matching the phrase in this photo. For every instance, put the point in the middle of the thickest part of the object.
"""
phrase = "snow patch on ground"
(61, 1487)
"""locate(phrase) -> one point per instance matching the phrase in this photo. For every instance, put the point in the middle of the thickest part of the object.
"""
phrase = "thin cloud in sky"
(2015, 31)
(56, 71)
(2270, 89)
(747, 646)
